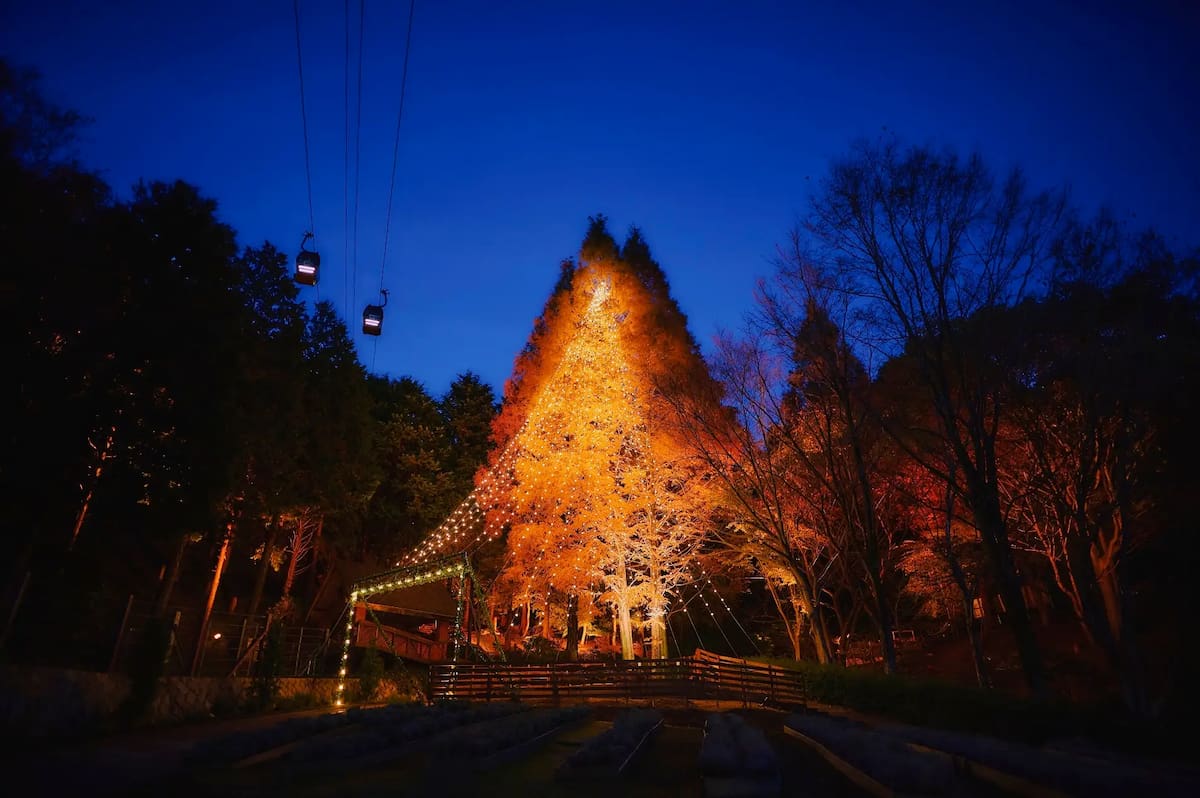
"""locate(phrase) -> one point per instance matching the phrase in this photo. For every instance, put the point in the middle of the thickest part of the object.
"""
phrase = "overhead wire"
(362, 15)
(387, 221)
(346, 301)
(304, 120)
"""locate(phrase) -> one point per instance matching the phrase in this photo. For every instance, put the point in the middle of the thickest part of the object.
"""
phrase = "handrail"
(703, 675)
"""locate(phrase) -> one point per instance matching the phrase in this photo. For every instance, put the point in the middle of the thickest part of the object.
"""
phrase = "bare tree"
(918, 241)
(735, 436)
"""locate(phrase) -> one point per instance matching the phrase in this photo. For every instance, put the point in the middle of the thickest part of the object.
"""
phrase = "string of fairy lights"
(591, 379)
(493, 504)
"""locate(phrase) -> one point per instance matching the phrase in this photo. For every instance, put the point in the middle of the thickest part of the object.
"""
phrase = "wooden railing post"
(718, 684)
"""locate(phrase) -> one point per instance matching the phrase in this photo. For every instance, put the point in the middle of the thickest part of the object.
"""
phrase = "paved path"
(120, 763)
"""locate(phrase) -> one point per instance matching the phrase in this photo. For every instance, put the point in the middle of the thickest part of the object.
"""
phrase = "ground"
(153, 764)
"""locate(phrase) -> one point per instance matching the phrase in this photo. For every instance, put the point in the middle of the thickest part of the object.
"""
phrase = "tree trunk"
(985, 505)
(168, 586)
(316, 599)
(884, 621)
(295, 555)
(214, 583)
(658, 636)
(264, 565)
(967, 591)
(975, 638)
(103, 454)
(315, 547)
(1132, 669)
(572, 628)
(791, 625)
(547, 631)
(1093, 605)
(526, 618)
(623, 620)
(623, 611)
(802, 605)
(820, 641)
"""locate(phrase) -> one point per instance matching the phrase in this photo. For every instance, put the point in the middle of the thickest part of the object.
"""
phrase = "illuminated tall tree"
(585, 481)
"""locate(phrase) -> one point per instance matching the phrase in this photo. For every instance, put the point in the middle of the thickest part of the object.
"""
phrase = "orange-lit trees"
(732, 429)
(1095, 408)
(916, 241)
(943, 559)
(595, 494)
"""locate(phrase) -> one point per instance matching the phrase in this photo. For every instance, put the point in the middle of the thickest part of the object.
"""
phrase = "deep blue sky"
(698, 121)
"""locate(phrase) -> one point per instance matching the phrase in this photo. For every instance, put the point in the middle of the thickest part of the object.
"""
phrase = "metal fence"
(230, 647)
(104, 632)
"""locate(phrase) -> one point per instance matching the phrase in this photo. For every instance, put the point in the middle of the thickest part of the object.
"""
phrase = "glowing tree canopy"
(593, 494)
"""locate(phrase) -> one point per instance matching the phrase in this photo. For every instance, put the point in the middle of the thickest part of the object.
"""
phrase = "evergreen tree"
(467, 410)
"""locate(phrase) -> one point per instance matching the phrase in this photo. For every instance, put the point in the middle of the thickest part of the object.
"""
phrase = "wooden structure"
(701, 677)
(397, 594)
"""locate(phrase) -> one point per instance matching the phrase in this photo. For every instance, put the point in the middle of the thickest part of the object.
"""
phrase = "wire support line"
(387, 221)
(362, 17)
(304, 120)
(347, 305)
(671, 629)
(729, 610)
(720, 628)
(699, 639)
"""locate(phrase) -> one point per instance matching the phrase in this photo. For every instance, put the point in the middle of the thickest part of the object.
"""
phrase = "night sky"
(701, 122)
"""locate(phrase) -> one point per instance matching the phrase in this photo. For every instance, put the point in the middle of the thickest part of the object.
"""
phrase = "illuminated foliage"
(593, 491)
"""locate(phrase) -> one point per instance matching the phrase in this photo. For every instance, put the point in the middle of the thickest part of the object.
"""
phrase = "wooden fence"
(701, 677)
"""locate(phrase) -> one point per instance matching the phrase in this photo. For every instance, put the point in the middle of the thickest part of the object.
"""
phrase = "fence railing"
(227, 646)
(104, 632)
(703, 676)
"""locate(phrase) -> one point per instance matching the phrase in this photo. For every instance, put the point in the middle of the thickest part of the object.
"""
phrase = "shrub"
(928, 702)
(149, 659)
(370, 673)
(264, 684)
(411, 682)
(539, 649)
(298, 701)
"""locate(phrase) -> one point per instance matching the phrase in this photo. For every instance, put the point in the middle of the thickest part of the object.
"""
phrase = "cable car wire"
(362, 15)
(387, 222)
(346, 303)
(304, 119)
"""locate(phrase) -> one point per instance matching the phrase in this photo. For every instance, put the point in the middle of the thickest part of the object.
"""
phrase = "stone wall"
(39, 703)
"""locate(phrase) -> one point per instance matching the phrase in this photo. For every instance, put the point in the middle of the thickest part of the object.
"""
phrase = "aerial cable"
(346, 301)
(304, 118)
(362, 12)
(387, 223)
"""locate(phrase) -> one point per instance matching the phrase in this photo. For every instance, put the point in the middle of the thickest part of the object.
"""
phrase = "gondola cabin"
(373, 320)
(308, 263)
(373, 316)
